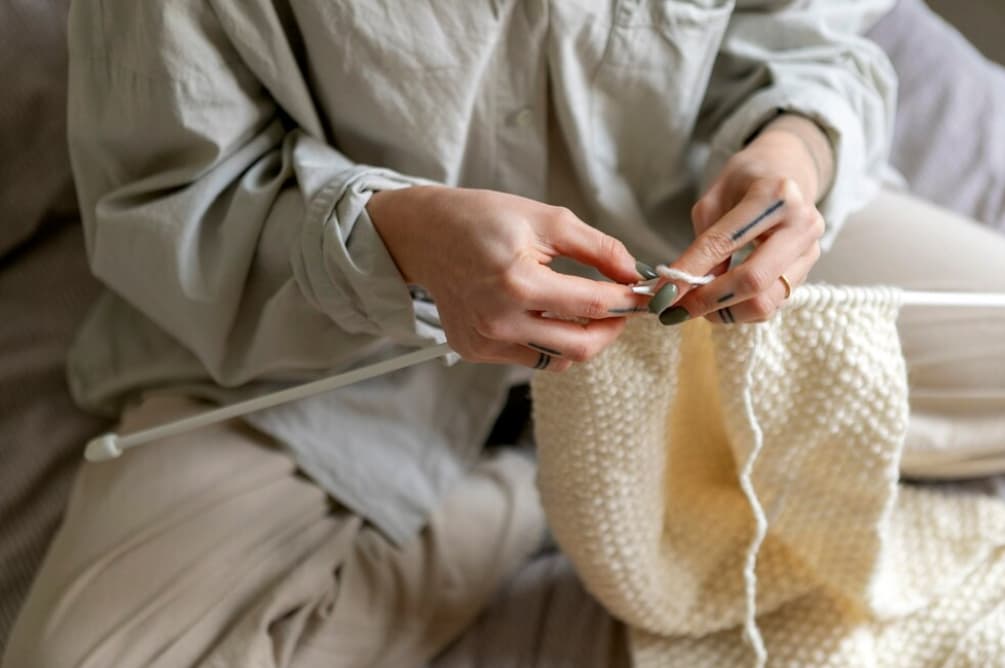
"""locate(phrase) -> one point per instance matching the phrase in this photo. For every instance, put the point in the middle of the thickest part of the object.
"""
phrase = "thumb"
(571, 237)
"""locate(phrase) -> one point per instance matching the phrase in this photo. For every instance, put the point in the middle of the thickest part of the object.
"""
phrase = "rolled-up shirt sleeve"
(808, 58)
(342, 265)
(213, 202)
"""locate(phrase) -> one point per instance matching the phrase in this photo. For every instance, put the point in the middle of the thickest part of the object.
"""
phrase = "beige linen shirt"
(224, 151)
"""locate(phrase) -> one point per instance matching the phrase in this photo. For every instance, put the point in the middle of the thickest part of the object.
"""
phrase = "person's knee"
(80, 621)
(39, 643)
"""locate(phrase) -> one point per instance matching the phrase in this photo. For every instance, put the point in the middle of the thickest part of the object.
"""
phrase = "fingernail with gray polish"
(663, 298)
(645, 271)
(674, 316)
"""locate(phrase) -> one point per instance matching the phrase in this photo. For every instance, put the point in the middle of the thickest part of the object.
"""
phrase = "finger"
(559, 338)
(547, 362)
(766, 304)
(764, 207)
(566, 340)
(499, 352)
(529, 357)
(754, 276)
(539, 360)
(578, 297)
(569, 236)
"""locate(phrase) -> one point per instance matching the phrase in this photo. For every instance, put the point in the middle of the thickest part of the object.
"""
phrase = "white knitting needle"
(979, 299)
(908, 297)
(111, 445)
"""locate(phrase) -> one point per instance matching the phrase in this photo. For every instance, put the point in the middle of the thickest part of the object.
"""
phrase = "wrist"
(394, 214)
(806, 149)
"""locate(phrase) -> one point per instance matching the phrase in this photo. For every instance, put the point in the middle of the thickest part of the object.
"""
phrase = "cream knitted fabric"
(732, 494)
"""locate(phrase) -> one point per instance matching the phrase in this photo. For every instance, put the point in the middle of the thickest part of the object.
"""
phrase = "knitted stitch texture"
(732, 494)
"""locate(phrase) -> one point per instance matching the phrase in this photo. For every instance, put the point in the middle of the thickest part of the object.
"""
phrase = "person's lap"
(212, 550)
(209, 549)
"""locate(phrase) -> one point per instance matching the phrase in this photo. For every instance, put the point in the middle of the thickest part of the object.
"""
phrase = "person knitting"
(273, 191)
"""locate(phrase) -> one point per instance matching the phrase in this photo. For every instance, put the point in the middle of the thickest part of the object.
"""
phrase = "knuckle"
(698, 303)
(815, 251)
(611, 247)
(818, 225)
(698, 211)
(488, 326)
(578, 352)
(591, 350)
(788, 190)
(797, 215)
(480, 322)
(717, 245)
(806, 214)
(776, 187)
(753, 280)
(595, 307)
(767, 186)
(515, 285)
(564, 216)
(761, 308)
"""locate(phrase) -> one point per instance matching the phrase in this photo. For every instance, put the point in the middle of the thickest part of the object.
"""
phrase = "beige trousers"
(210, 549)
(955, 355)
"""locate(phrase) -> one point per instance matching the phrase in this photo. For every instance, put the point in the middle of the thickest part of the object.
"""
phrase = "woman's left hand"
(765, 194)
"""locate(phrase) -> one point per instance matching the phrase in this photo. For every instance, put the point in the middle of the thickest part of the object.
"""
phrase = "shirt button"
(524, 118)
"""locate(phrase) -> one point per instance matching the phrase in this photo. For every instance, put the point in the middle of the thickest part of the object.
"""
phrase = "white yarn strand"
(751, 631)
(683, 276)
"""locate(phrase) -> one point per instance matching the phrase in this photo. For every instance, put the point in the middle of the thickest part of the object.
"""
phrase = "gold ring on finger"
(787, 285)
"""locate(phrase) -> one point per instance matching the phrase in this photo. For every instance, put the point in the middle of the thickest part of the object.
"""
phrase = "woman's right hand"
(483, 256)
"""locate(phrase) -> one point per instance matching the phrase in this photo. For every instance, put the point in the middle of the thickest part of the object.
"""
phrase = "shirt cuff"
(857, 175)
(354, 278)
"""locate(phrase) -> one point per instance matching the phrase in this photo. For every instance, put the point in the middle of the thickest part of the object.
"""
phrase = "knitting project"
(732, 495)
